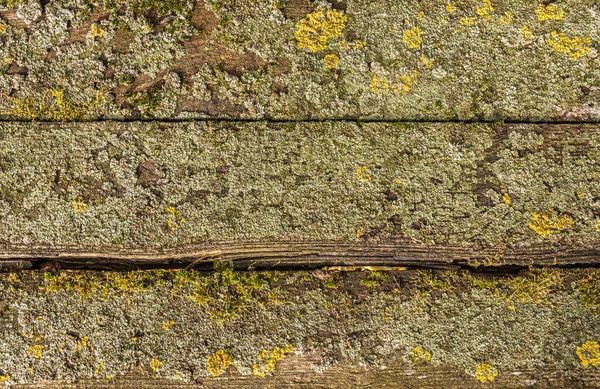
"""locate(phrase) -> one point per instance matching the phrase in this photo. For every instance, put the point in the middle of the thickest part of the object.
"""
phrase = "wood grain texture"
(295, 372)
(304, 254)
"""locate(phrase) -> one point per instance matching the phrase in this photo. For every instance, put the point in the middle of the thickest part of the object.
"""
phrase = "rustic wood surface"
(113, 194)
(296, 373)
(292, 60)
(455, 136)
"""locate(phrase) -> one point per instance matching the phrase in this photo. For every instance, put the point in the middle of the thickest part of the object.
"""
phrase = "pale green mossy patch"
(360, 182)
(115, 320)
(226, 293)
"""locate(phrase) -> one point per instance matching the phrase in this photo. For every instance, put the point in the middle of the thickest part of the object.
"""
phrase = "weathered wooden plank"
(296, 373)
(322, 329)
(289, 60)
(265, 254)
(285, 193)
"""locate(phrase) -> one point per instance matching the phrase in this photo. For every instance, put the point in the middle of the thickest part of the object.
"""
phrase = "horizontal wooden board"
(296, 373)
(297, 59)
(329, 193)
(323, 328)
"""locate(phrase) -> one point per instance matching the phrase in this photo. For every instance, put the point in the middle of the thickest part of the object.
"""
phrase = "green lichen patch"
(226, 293)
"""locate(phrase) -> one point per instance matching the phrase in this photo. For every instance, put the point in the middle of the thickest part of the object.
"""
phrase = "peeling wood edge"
(304, 254)
(296, 372)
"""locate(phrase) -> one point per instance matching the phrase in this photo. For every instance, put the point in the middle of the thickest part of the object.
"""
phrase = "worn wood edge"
(297, 372)
(274, 253)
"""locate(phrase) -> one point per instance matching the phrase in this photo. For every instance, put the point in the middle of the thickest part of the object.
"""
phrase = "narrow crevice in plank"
(299, 255)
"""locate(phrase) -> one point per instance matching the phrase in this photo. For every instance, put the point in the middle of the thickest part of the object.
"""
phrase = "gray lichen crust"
(153, 185)
(435, 60)
(70, 326)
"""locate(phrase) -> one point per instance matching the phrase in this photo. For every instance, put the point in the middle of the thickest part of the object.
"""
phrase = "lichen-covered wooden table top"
(298, 193)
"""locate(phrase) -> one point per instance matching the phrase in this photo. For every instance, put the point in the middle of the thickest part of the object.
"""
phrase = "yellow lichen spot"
(419, 354)
(413, 38)
(359, 44)
(53, 106)
(507, 17)
(398, 181)
(174, 221)
(81, 343)
(421, 15)
(549, 12)
(167, 324)
(79, 206)
(109, 377)
(269, 359)
(36, 350)
(3, 27)
(95, 31)
(548, 222)
(155, 364)
(485, 11)
(331, 61)
(316, 28)
(134, 339)
(219, 362)
(427, 61)
(100, 367)
(406, 82)
(526, 31)
(506, 198)
(4, 377)
(589, 353)
(467, 21)
(359, 233)
(485, 372)
(598, 225)
(379, 85)
(575, 47)
(450, 7)
(363, 174)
